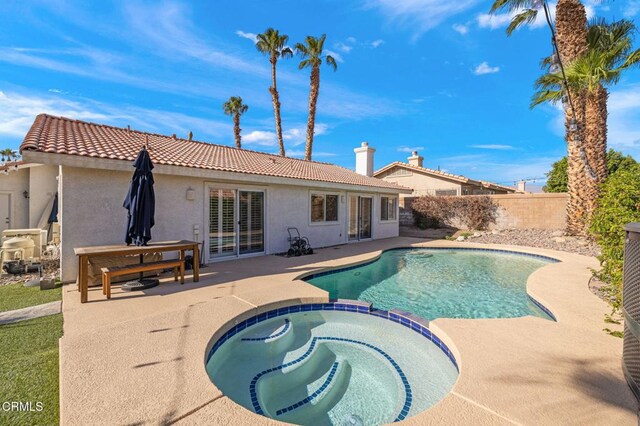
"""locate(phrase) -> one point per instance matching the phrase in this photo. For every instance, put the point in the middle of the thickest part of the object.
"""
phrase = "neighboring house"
(19, 207)
(239, 202)
(424, 181)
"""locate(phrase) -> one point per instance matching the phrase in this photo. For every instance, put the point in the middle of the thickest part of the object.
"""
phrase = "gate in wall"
(631, 308)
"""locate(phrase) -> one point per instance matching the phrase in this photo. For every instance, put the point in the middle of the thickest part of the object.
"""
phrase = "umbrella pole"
(141, 262)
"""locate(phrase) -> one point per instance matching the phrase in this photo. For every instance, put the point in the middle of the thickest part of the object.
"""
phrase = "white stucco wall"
(92, 212)
(14, 184)
(43, 184)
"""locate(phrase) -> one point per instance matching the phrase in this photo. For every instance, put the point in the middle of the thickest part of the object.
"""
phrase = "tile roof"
(445, 175)
(60, 135)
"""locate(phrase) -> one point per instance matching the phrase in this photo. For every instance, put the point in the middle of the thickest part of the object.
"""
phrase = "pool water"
(332, 368)
(436, 283)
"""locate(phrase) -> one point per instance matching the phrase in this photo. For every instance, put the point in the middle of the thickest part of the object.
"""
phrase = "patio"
(139, 358)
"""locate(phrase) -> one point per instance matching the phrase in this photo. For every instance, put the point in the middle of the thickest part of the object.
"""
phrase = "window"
(388, 208)
(324, 208)
(446, 193)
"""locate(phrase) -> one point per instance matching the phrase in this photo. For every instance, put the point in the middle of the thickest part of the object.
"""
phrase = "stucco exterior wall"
(422, 184)
(43, 184)
(92, 212)
(14, 184)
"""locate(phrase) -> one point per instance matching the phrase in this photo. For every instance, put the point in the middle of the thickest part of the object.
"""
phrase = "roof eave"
(126, 166)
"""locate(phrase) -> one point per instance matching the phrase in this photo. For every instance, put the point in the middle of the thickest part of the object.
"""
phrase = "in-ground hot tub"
(333, 363)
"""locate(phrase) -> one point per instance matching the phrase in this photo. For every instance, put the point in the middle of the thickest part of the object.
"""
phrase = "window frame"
(324, 220)
(394, 205)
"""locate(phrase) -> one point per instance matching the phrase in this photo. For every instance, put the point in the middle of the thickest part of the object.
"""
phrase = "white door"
(360, 214)
(5, 211)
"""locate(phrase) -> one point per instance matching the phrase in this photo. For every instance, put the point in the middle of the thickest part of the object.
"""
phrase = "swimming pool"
(333, 364)
(441, 283)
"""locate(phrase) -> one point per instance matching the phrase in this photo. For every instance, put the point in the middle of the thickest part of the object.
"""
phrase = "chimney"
(364, 159)
(522, 186)
(415, 159)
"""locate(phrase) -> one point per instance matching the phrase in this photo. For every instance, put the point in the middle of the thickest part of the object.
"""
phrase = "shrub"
(474, 212)
(619, 204)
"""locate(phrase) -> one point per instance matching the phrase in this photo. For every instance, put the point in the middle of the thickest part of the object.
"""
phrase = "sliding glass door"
(360, 214)
(251, 222)
(222, 219)
(236, 222)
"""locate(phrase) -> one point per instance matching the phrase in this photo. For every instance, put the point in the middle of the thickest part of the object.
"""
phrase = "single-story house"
(239, 202)
(425, 181)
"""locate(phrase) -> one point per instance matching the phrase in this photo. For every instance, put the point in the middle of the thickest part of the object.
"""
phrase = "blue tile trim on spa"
(407, 388)
(287, 324)
(314, 395)
(410, 321)
(359, 265)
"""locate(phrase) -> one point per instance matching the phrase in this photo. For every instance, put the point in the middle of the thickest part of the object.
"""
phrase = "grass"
(29, 369)
(16, 296)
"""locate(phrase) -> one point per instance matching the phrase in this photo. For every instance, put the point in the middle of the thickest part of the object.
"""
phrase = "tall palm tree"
(234, 107)
(609, 54)
(273, 44)
(570, 36)
(312, 56)
(8, 154)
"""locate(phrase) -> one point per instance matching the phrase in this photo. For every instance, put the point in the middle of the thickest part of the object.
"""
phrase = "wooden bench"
(116, 271)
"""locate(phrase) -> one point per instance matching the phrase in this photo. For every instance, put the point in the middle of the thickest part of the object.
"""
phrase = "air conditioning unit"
(39, 237)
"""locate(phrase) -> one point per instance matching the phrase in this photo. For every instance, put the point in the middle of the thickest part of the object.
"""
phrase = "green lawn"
(16, 296)
(29, 369)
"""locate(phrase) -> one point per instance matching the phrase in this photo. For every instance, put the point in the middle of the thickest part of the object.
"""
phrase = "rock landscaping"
(546, 239)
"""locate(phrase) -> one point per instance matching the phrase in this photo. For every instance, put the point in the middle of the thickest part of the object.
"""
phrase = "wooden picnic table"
(86, 253)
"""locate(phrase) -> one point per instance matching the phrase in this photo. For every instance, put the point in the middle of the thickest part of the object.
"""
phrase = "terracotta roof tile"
(60, 135)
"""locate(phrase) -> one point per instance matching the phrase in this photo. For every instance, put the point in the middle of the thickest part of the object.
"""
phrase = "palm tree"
(570, 37)
(311, 52)
(273, 44)
(609, 54)
(234, 107)
(8, 154)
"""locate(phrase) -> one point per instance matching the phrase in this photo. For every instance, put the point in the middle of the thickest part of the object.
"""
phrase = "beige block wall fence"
(519, 211)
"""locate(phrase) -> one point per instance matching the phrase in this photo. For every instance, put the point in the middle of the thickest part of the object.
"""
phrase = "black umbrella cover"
(140, 202)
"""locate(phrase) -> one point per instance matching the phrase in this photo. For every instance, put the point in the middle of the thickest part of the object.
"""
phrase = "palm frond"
(527, 16)
(331, 62)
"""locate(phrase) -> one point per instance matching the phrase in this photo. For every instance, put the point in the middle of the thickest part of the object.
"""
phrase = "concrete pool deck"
(139, 358)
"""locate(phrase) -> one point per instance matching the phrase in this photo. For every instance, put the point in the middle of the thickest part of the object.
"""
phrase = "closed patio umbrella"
(140, 204)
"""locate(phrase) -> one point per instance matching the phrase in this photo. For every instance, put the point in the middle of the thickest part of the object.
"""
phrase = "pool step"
(317, 384)
(272, 338)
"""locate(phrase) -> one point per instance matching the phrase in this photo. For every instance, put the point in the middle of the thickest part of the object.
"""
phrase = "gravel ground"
(546, 239)
(51, 270)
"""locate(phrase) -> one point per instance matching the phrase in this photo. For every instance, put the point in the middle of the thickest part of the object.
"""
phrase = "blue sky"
(436, 76)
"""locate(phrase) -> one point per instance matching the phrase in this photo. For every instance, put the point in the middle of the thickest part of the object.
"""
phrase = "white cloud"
(377, 43)
(485, 68)
(632, 8)
(343, 47)
(293, 137)
(420, 15)
(336, 55)
(410, 149)
(351, 40)
(460, 29)
(492, 146)
(249, 36)
(17, 112)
